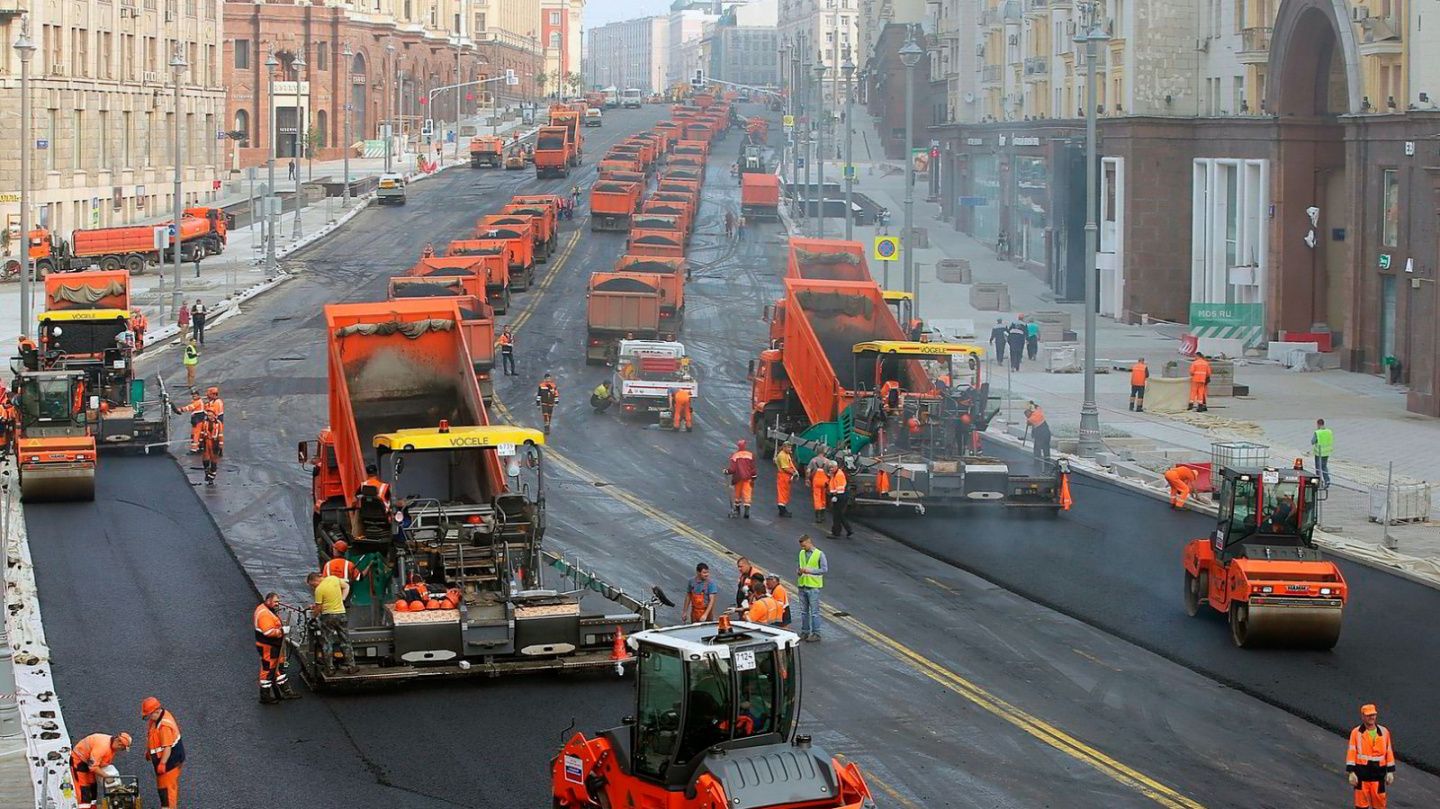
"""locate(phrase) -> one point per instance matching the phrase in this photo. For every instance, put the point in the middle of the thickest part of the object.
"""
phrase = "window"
(554, 39)
(79, 140)
(322, 56)
(126, 156)
(242, 54)
(1390, 208)
(554, 18)
(321, 129)
(479, 22)
(657, 726)
(103, 157)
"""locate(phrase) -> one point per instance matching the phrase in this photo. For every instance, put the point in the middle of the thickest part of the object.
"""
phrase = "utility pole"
(272, 216)
(25, 47)
(299, 64)
(820, 148)
(910, 54)
(348, 55)
(1089, 442)
(849, 170)
(389, 127)
(177, 69)
(809, 137)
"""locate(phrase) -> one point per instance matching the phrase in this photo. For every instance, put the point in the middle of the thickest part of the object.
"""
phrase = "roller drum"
(1286, 624)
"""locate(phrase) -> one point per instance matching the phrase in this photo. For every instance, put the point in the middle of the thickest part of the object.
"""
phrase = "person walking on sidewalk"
(810, 578)
(198, 312)
(1039, 429)
(1139, 375)
(1032, 339)
(190, 359)
(290, 169)
(1322, 444)
(1016, 336)
(998, 339)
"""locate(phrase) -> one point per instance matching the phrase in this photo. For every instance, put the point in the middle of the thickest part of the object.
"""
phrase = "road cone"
(1065, 500)
(617, 652)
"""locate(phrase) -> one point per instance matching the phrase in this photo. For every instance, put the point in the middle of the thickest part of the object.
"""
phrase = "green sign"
(1384, 261)
(1242, 321)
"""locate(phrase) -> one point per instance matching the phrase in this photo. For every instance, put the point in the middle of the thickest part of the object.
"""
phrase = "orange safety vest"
(505, 340)
(162, 734)
(1371, 750)
(1138, 374)
(1036, 417)
(269, 631)
(1200, 370)
(382, 490)
(682, 397)
(549, 394)
(765, 610)
(341, 568)
(838, 482)
(215, 407)
(94, 751)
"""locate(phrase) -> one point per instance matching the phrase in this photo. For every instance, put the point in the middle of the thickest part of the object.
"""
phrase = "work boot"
(1132, 405)
(784, 512)
(286, 692)
(1201, 408)
(689, 428)
(819, 517)
(746, 513)
(1140, 408)
(267, 695)
(735, 511)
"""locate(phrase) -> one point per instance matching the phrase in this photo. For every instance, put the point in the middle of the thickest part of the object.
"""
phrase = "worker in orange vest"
(1040, 429)
(785, 473)
(138, 325)
(270, 645)
(546, 397)
(700, 595)
(506, 343)
(819, 487)
(211, 437)
(1370, 760)
(88, 757)
(890, 396)
(839, 499)
(1199, 381)
(778, 592)
(339, 566)
(742, 472)
(198, 409)
(680, 410)
(1139, 374)
(1181, 479)
(761, 607)
(164, 750)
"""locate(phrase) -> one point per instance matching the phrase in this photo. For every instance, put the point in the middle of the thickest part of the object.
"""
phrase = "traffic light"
(698, 80)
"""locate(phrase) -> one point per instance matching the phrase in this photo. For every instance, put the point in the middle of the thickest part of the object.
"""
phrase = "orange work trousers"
(682, 413)
(1197, 391)
(1370, 795)
(1179, 489)
(741, 492)
(168, 785)
(782, 488)
(819, 494)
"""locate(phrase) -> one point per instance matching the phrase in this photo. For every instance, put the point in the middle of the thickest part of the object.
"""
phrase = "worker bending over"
(1370, 760)
(1199, 383)
(680, 410)
(546, 397)
(1039, 429)
(742, 472)
(164, 750)
(785, 473)
(88, 758)
(761, 607)
(1182, 480)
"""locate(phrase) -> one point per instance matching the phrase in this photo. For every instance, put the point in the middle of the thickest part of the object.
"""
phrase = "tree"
(574, 80)
(540, 81)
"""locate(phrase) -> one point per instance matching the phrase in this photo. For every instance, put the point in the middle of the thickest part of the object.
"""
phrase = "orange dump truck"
(542, 237)
(546, 221)
(486, 150)
(477, 319)
(667, 242)
(521, 236)
(554, 152)
(691, 147)
(674, 208)
(759, 196)
(572, 118)
(620, 306)
(669, 273)
(488, 260)
(675, 225)
(203, 232)
(612, 204)
(827, 260)
(619, 176)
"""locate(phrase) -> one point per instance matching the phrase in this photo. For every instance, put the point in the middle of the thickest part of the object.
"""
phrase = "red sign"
(424, 101)
(469, 96)
(215, 185)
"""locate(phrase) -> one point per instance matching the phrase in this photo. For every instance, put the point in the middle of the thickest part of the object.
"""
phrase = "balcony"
(1254, 46)
(991, 74)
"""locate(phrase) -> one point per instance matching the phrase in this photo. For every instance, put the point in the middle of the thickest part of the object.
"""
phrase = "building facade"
(744, 45)
(690, 23)
(560, 36)
(630, 54)
(103, 112)
(825, 32)
(399, 55)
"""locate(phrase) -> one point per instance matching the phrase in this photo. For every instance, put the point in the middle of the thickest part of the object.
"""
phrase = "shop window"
(1390, 208)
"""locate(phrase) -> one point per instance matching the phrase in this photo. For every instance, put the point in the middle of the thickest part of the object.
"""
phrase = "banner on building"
(1235, 321)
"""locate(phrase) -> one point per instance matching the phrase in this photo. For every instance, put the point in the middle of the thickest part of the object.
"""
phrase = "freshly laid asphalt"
(948, 690)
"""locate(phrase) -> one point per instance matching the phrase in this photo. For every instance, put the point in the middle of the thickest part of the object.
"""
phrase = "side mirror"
(750, 370)
(302, 452)
(768, 312)
(628, 720)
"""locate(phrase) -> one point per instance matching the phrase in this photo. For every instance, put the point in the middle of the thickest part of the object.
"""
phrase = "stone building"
(630, 54)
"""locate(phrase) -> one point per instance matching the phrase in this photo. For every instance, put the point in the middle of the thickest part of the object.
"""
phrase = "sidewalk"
(1368, 416)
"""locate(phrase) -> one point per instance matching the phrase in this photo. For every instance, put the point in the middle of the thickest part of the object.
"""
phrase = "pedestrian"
(329, 609)
(290, 168)
(779, 593)
(270, 645)
(810, 578)
(1199, 383)
(742, 588)
(506, 344)
(742, 472)
(1182, 480)
(182, 320)
(546, 397)
(700, 595)
(1040, 428)
(729, 225)
(198, 313)
(1139, 375)
(88, 758)
(1370, 760)
(1322, 444)
(1032, 339)
(164, 750)
(839, 500)
(998, 339)
(1015, 335)
(819, 486)
(785, 474)
(740, 228)
(190, 359)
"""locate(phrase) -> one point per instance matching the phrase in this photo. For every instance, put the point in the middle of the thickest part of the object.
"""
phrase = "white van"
(593, 117)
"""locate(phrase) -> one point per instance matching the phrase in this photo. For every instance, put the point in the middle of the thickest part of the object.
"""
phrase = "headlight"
(1267, 589)
(1324, 591)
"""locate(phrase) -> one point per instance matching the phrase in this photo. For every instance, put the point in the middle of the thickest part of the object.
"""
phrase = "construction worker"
(761, 607)
(1322, 445)
(781, 596)
(378, 489)
(1181, 479)
(819, 487)
(785, 473)
(88, 757)
(164, 750)
(270, 645)
(546, 397)
(1199, 381)
(742, 588)
(839, 499)
(742, 472)
(680, 409)
(191, 360)
(890, 396)
(998, 339)
(198, 408)
(138, 325)
(1040, 429)
(810, 573)
(506, 343)
(700, 595)
(339, 565)
(210, 440)
(1370, 760)
(1139, 375)
(329, 610)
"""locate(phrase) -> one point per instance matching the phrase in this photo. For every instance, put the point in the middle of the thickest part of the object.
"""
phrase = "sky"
(600, 12)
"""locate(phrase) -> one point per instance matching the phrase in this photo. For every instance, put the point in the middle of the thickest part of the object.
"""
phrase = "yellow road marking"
(974, 694)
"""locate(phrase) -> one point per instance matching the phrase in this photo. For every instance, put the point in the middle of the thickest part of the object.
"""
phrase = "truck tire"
(110, 263)
(43, 267)
(135, 265)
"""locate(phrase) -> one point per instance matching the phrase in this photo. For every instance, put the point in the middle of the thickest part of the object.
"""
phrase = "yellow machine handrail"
(910, 348)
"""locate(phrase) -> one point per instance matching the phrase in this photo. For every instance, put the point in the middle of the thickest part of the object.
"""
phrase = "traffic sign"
(511, 79)
(973, 202)
(799, 162)
(849, 172)
(788, 120)
(887, 248)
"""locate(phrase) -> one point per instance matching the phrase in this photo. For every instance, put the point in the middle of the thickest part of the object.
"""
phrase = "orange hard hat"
(402, 605)
(212, 391)
(121, 740)
(1368, 709)
(341, 546)
(149, 706)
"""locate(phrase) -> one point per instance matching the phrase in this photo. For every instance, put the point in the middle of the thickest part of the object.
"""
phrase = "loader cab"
(1265, 508)
(901, 303)
(51, 403)
(701, 687)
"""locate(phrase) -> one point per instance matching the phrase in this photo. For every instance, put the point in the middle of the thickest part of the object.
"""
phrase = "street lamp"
(809, 136)
(349, 56)
(795, 112)
(272, 217)
(25, 48)
(848, 69)
(177, 69)
(824, 109)
(1089, 442)
(299, 65)
(910, 54)
(389, 129)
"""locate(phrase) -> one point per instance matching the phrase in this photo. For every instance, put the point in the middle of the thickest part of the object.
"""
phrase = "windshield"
(1286, 508)
(80, 337)
(47, 400)
(657, 723)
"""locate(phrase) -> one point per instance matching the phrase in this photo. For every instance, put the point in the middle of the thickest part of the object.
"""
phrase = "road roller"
(54, 446)
(1261, 568)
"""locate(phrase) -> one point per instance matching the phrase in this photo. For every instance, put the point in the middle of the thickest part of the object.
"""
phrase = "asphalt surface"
(948, 690)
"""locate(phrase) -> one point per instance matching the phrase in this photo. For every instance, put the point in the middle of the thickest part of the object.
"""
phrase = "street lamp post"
(849, 70)
(809, 138)
(1089, 442)
(25, 48)
(910, 56)
(795, 112)
(349, 56)
(820, 148)
(389, 129)
(272, 216)
(177, 69)
(299, 64)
